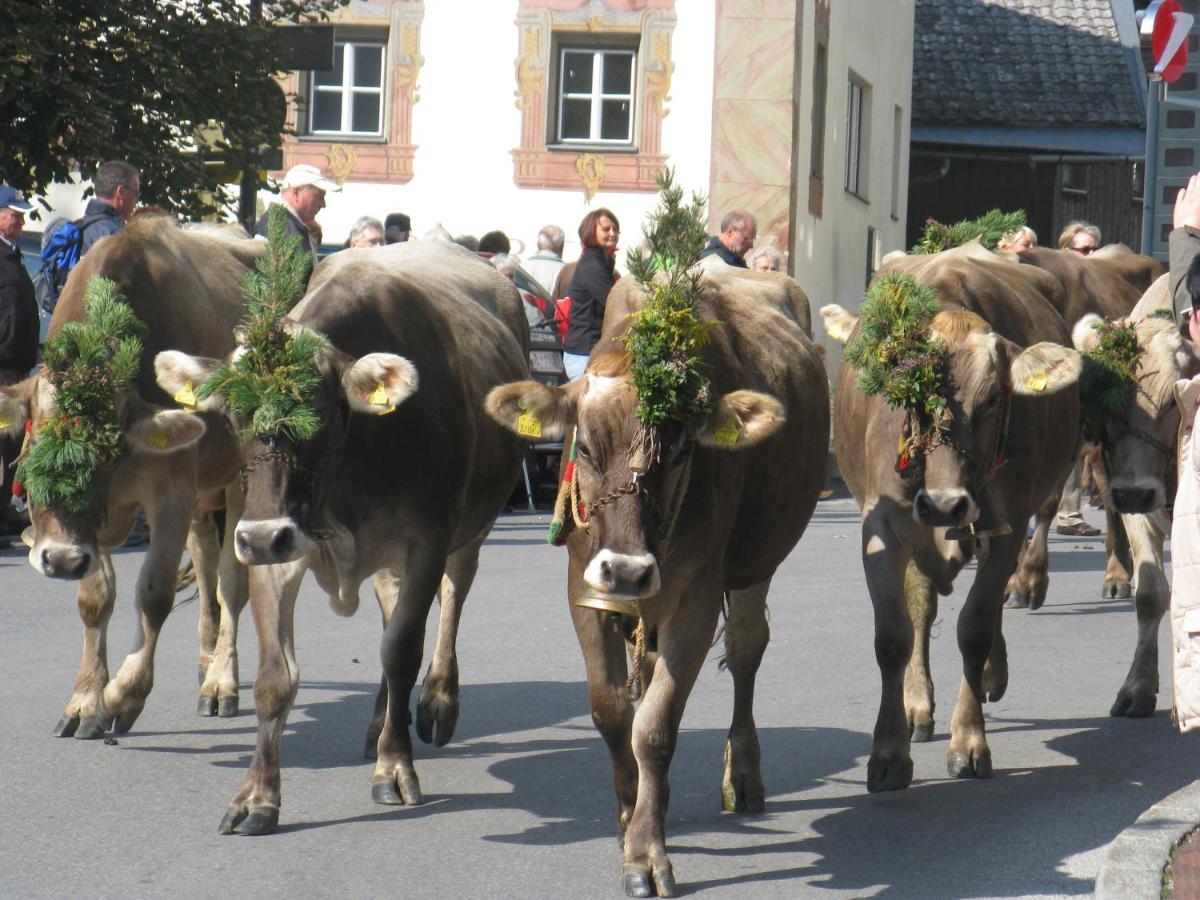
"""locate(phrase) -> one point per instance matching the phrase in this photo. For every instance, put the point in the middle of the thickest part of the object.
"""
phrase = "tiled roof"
(1021, 63)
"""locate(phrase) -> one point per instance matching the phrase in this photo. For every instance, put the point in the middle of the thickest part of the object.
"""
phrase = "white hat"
(304, 175)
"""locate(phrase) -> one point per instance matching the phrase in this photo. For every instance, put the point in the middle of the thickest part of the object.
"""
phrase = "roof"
(1024, 64)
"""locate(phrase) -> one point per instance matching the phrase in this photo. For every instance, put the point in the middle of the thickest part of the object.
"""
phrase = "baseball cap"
(11, 198)
(304, 175)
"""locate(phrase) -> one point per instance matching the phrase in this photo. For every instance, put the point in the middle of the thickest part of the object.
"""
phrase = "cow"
(1138, 449)
(186, 287)
(702, 527)
(1010, 385)
(401, 484)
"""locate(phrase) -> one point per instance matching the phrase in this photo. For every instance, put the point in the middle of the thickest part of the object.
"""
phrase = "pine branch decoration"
(89, 363)
(667, 335)
(1108, 381)
(270, 384)
(989, 228)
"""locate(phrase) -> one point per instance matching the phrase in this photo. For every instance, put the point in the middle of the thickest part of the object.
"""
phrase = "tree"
(82, 81)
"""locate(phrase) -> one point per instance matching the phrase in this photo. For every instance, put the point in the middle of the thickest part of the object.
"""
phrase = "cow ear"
(180, 375)
(741, 419)
(15, 401)
(379, 382)
(839, 322)
(1084, 335)
(164, 431)
(532, 409)
(1045, 368)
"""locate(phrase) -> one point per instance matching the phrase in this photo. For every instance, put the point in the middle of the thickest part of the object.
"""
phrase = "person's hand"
(1187, 204)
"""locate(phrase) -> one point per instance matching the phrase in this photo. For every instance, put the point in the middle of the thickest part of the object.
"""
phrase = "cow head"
(981, 370)
(284, 479)
(629, 496)
(66, 540)
(1138, 446)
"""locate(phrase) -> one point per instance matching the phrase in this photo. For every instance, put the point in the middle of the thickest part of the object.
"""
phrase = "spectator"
(547, 262)
(738, 231)
(765, 259)
(1079, 237)
(366, 232)
(118, 186)
(594, 278)
(1020, 239)
(397, 228)
(303, 194)
(494, 243)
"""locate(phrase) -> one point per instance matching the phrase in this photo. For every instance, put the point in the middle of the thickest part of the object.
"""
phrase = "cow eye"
(583, 450)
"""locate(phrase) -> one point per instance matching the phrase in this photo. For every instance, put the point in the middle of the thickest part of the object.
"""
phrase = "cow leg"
(921, 597)
(885, 559)
(203, 549)
(995, 670)
(1028, 584)
(1139, 694)
(746, 637)
(683, 643)
(125, 695)
(602, 641)
(437, 708)
(273, 589)
(413, 584)
(968, 755)
(1119, 567)
(95, 597)
(219, 692)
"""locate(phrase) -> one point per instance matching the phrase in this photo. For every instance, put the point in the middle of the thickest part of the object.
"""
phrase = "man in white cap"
(302, 193)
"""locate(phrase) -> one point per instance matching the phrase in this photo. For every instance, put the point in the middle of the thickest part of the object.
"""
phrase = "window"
(857, 119)
(1074, 179)
(595, 96)
(820, 89)
(348, 99)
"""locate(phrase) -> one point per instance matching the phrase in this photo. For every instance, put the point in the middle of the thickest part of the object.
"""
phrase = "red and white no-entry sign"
(1169, 42)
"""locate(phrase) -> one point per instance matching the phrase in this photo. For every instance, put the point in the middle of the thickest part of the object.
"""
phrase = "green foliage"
(1108, 380)
(270, 384)
(896, 355)
(989, 228)
(83, 81)
(89, 363)
(666, 335)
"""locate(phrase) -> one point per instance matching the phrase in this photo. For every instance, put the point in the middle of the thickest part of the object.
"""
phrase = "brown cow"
(711, 520)
(401, 485)
(186, 287)
(906, 555)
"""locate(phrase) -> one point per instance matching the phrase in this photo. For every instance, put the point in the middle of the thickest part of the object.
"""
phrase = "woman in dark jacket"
(594, 278)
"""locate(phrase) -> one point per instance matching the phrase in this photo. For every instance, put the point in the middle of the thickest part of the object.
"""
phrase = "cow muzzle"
(944, 508)
(264, 542)
(70, 562)
(625, 575)
(1137, 497)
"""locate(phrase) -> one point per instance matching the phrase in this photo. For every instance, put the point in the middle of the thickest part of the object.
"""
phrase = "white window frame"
(348, 90)
(855, 103)
(597, 96)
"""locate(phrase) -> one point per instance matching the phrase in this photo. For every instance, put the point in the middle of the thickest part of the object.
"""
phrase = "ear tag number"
(380, 398)
(157, 440)
(726, 435)
(1037, 382)
(186, 396)
(529, 425)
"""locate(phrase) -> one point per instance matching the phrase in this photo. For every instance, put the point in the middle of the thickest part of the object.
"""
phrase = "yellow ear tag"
(529, 425)
(1037, 382)
(186, 396)
(727, 435)
(157, 440)
(5, 422)
(380, 398)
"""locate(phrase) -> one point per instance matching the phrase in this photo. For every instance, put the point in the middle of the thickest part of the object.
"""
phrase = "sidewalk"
(1133, 868)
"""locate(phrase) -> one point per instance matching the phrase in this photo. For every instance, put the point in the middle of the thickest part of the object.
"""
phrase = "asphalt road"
(521, 804)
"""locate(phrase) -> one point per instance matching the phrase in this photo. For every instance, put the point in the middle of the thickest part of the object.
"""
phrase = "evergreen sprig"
(1108, 381)
(894, 351)
(666, 336)
(989, 228)
(270, 384)
(89, 363)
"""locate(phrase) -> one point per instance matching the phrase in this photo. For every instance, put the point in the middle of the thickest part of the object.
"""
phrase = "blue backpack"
(62, 244)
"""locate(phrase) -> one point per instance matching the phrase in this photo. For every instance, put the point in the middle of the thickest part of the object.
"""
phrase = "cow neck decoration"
(89, 363)
(1108, 382)
(988, 228)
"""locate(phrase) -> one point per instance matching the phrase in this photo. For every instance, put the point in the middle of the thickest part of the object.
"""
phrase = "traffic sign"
(1169, 43)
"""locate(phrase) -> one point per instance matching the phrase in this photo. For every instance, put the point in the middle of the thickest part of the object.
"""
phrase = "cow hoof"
(387, 793)
(922, 733)
(123, 723)
(66, 726)
(436, 719)
(206, 706)
(227, 707)
(1116, 590)
(238, 820)
(889, 773)
(961, 765)
(1016, 600)
(1036, 600)
(92, 728)
(743, 794)
(639, 881)
(1134, 705)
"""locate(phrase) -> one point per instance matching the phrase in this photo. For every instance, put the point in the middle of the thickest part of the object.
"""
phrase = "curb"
(1133, 865)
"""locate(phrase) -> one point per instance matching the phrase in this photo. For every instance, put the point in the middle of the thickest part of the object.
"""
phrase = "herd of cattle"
(405, 493)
